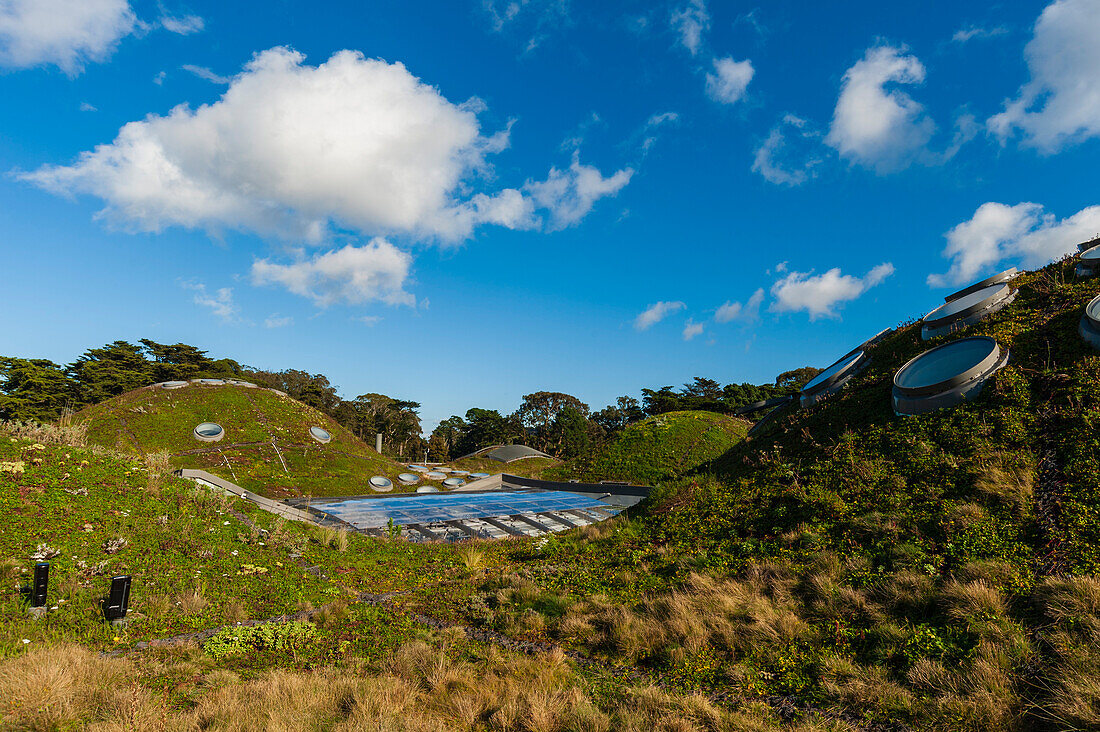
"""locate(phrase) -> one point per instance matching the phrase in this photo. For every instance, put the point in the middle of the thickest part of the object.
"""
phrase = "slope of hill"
(658, 448)
(267, 446)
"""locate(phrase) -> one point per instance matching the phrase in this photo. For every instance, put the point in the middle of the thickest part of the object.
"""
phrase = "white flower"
(26, 641)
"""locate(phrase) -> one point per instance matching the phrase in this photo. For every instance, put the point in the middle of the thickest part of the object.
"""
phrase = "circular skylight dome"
(427, 489)
(210, 382)
(321, 435)
(966, 310)
(238, 382)
(460, 472)
(209, 432)
(1088, 262)
(435, 475)
(998, 279)
(1089, 327)
(478, 476)
(833, 378)
(276, 392)
(454, 482)
(409, 478)
(381, 484)
(947, 375)
(419, 468)
(172, 384)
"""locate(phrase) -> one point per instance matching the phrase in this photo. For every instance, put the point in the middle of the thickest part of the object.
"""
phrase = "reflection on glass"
(941, 364)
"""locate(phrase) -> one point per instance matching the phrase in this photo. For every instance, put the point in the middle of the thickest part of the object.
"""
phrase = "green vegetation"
(658, 448)
(533, 467)
(266, 449)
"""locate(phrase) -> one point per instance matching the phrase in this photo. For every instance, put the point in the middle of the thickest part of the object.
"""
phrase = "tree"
(312, 389)
(33, 390)
(445, 438)
(660, 401)
(114, 369)
(615, 417)
(796, 378)
(571, 432)
(538, 411)
(485, 427)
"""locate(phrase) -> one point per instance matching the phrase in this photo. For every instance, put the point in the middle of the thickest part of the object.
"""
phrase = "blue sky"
(463, 202)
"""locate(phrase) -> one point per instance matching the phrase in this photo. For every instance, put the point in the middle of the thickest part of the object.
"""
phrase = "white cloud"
(736, 311)
(85, 107)
(204, 73)
(730, 80)
(65, 33)
(1060, 105)
(690, 22)
(1022, 233)
(820, 294)
(369, 320)
(376, 271)
(567, 195)
(278, 321)
(291, 150)
(159, 78)
(183, 25)
(692, 329)
(789, 155)
(877, 126)
(655, 313)
(220, 302)
(971, 32)
(534, 18)
(649, 132)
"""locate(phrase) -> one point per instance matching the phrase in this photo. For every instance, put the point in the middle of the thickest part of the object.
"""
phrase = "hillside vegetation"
(658, 448)
(263, 433)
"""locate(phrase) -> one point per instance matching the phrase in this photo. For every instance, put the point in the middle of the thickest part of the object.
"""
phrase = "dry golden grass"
(471, 555)
(1005, 479)
(420, 689)
(73, 435)
(193, 601)
(156, 467)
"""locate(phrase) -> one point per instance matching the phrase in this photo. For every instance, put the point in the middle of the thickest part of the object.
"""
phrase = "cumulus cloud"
(655, 313)
(204, 73)
(219, 302)
(64, 33)
(690, 22)
(746, 312)
(730, 80)
(1023, 233)
(278, 321)
(567, 195)
(691, 329)
(290, 151)
(1060, 105)
(789, 156)
(876, 125)
(819, 295)
(376, 271)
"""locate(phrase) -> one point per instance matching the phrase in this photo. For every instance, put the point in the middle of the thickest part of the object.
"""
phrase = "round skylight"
(172, 384)
(321, 435)
(478, 476)
(1089, 327)
(276, 392)
(997, 279)
(833, 378)
(211, 382)
(427, 489)
(947, 375)
(419, 468)
(209, 432)
(460, 472)
(966, 310)
(454, 482)
(1088, 262)
(381, 483)
(435, 475)
(409, 478)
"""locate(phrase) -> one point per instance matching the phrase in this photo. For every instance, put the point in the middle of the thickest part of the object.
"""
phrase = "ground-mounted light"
(118, 600)
(40, 588)
(833, 378)
(381, 484)
(947, 375)
(965, 311)
(408, 478)
(1089, 327)
(454, 482)
(320, 435)
(1088, 262)
(169, 385)
(209, 432)
(998, 279)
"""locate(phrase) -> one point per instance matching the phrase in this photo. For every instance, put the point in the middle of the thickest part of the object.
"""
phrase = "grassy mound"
(266, 449)
(659, 448)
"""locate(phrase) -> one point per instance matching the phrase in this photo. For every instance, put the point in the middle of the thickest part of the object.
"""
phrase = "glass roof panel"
(828, 373)
(966, 301)
(941, 364)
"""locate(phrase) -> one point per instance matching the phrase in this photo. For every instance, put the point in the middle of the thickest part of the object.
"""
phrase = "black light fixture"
(116, 604)
(41, 584)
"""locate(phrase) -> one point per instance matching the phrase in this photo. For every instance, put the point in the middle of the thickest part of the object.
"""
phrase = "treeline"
(564, 426)
(39, 390)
